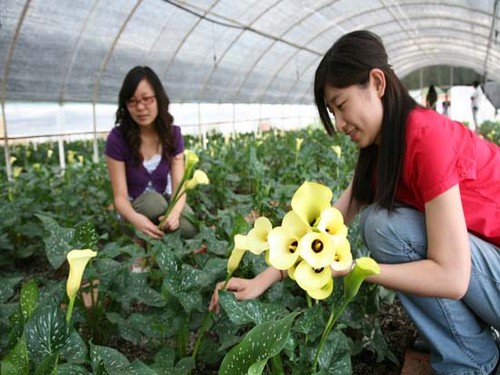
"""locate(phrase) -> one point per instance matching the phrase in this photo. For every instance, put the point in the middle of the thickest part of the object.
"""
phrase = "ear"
(377, 81)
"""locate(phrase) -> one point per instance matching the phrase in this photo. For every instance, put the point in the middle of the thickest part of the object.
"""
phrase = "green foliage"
(157, 322)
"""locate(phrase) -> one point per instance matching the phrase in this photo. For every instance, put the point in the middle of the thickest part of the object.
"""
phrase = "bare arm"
(349, 207)
(116, 170)
(446, 271)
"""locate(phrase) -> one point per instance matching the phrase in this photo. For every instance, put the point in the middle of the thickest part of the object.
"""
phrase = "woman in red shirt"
(428, 192)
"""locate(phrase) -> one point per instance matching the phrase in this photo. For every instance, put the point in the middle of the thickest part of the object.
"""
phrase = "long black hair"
(349, 62)
(162, 123)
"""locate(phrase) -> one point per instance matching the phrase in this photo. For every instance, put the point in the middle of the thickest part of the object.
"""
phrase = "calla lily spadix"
(309, 278)
(240, 247)
(342, 260)
(77, 260)
(331, 221)
(310, 200)
(257, 237)
(199, 178)
(317, 249)
(282, 248)
(322, 293)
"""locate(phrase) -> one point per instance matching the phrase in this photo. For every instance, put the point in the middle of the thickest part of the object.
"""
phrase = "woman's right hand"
(146, 226)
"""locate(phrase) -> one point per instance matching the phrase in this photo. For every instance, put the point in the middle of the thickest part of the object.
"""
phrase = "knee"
(393, 237)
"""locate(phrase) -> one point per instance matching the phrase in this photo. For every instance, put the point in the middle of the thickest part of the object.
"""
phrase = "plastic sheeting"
(225, 51)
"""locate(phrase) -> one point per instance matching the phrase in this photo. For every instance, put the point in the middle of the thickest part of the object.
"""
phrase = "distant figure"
(446, 105)
(432, 97)
(474, 102)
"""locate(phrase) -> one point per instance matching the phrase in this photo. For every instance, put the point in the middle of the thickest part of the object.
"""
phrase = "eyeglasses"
(146, 101)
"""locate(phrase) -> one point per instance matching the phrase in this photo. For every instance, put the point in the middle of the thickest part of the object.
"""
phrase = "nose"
(339, 123)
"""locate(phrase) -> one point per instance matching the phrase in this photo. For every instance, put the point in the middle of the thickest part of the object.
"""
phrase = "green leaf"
(75, 351)
(8, 287)
(85, 237)
(250, 310)
(46, 332)
(181, 280)
(48, 365)
(108, 359)
(57, 241)
(71, 369)
(261, 343)
(29, 298)
(16, 361)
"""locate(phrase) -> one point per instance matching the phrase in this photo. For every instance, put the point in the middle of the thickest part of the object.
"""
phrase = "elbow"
(458, 288)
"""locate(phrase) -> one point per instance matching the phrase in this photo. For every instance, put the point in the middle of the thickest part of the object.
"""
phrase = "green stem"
(70, 310)
(277, 365)
(201, 333)
(334, 315)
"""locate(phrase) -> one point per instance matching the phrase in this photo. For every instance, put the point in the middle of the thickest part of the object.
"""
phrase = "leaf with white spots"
(71, 369)
(45, 332)
(29, 298)
(249, 311)
(57, 241)
(103, 358)
(262, 342)
(16, 361)
(75, 351)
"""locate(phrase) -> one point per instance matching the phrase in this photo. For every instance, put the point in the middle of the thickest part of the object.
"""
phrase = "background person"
(428, 192)
(142, 151)
(475, 100)
(431, 98)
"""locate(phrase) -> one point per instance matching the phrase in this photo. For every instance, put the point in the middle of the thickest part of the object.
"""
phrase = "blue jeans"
(458, 331)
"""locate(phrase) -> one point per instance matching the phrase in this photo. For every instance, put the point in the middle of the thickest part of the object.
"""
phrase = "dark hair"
(162, 123)
(349, 62)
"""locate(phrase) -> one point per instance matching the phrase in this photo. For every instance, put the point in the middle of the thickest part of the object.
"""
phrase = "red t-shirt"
(441, 153)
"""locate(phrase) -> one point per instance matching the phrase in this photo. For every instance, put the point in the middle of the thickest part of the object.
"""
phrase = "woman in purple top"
(142, 151)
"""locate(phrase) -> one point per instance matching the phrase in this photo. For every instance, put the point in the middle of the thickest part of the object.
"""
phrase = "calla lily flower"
(310, 200)
(331, 221)
(257, 237)
(295, 225)
(322, 293)
(309, 278)
(342, 260)
(240, 247)
(363, 268)
(199, 178)
(298, 144)
(337, 150)
(191, 159)
(77, 260)
(317, 249)
(283, 252)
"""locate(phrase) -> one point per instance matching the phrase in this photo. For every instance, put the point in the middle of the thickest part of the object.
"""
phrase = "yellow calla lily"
(331, 220)
(337, 150)
(191, 159)
(282, 248)
(295, 225)
(199, 178)
(257, 237)
(77, 260)
(342, 260)
(310, 200)
(322, 293)
(363, 268)
(309, 278)
(240, 247)
(298, 144)
(291, 271)
(317, 249)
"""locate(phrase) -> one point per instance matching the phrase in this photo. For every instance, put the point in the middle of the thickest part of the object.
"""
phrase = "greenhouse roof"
(245, 51)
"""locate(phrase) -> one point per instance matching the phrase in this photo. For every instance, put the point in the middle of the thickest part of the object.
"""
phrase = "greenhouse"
(215, 229)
